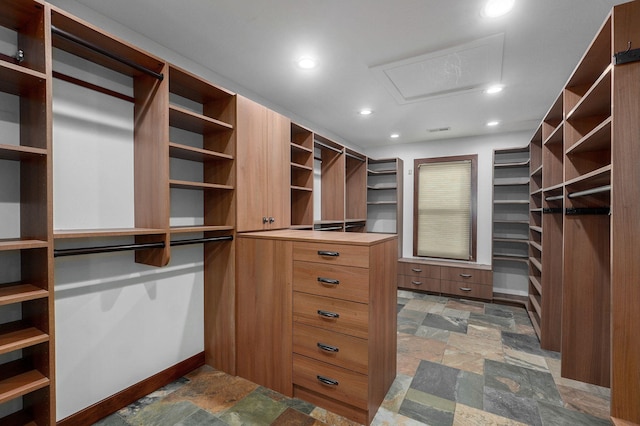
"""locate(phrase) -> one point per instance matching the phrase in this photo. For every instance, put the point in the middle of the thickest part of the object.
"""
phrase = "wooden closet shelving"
(332, 166)
(355, 191)
(28, 378)
(301, 177)
(384, 197)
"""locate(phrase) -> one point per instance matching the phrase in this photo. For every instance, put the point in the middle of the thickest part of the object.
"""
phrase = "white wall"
(483, 146)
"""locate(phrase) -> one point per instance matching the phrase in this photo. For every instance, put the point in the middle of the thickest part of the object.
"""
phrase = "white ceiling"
(255, 43)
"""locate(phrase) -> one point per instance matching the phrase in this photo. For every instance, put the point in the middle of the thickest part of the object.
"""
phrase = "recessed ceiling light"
(365, 111)
(493, 123)
(394, 135)
(307, 63)
(495, 8)
(493, 89)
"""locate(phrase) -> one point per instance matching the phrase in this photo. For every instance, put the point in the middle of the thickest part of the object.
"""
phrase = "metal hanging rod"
(88, 45)
(597, 190)
(348, 154)
(573, 211)
(554, 198)
(359, 225)
(105, 249)
(329, 228)
(329, 147)
(201, 240)
(548, 210)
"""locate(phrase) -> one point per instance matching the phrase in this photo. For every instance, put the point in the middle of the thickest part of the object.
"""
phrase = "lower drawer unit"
(331, 314)
(335, 348)
(478, 291)
(419, 283)
(331, 381)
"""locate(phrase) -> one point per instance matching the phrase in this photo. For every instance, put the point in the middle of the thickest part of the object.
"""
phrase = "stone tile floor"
(460, 362)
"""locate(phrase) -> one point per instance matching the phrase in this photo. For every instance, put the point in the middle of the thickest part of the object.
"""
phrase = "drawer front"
(332, 314)
(477, 276)
(418, 270)
(457, 288)
(335, 382)
(334, 348)
(336, 254)
(419, 283)
(341, 282)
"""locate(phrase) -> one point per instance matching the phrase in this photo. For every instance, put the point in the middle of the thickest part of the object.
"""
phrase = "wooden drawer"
(332, 314)
(336, 254)
(334, 348)
(419, 283)
(479, 276)
(347, 385)
(480, 291)
(341, 282)
(418, 270)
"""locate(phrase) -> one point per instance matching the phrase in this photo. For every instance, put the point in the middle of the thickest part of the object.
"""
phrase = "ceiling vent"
(464, 68)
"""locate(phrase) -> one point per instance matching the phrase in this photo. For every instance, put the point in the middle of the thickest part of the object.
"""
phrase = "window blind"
(445, 210)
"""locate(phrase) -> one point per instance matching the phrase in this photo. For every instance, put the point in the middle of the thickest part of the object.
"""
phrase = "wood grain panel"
(351, 352)
(348, 255)
(353, 282)
(278, 147)
(551, 318)
(353, 317)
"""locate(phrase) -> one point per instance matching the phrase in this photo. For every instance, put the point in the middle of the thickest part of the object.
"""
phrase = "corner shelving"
(384, 197)
(511, 222)
(27, 381)
(301, 177)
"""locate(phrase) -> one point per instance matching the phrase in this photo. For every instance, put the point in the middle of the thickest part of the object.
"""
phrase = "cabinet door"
(252, 185)
(279, 178)
(264, 312)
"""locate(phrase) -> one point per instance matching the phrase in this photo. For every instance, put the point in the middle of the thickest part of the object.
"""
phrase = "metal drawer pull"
(328, 348)
(327, 381)
(328, 314)
(328, 253)
(465, 275)
(416, 269)
(416, 282)
(465, 289)
(328, 281)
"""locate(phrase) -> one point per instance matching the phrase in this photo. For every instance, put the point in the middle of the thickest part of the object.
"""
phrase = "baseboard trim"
(115, 402)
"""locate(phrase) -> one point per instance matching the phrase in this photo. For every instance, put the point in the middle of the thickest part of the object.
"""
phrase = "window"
(445, 207)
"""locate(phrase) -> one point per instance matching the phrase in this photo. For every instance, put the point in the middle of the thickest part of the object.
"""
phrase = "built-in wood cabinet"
(27, 375)
(301, 177)
(511, 222)
(307, 325)
(263, 168)
(384, 197)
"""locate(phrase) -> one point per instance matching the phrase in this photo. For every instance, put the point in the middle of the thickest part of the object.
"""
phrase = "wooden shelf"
(190, 86)
(536, 283)
(190, 153)
(382, 188)
(596, 101)
(19, 244)
(535, 321)
(301, 188)
(536, 304)
(13, 338)
(536, 263)
(537, 171)
(557, 187)
(599, 177)
(297, 147)
(598, 139)
(536, 245)
(188, 120)
(510, 201)
(199, 228)
(381, 172)
(512, 182)
(18, 80)
(19, 153)
(536, 228)
(301, 167)
(514, 164)
(20, 292)
(511, 258)
(21, 384)
(556, 136)
(183, 184)
(60, 234)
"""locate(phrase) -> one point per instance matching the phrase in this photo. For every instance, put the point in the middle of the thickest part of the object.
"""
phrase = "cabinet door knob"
(328, 314)
(328, 281)
(264, 219)
(327, 381)
(272, 219)
(328, 253)
(328, 348)
(465, 275)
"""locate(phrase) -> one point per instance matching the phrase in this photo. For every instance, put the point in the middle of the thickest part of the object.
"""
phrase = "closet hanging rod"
(91, 46)
(328, 228)
(105, 249)
(201, 240)
(93, 87)
(597, 190)
(348, 154)
(360, 225)
(329, 147)
(554, 198)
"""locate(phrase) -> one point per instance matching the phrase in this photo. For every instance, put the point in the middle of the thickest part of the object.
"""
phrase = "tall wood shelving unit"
(511, 217)
(590, 205)
(301, 177)
(535, 231)
(27, 380)
(384, 197)
(355, 192)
